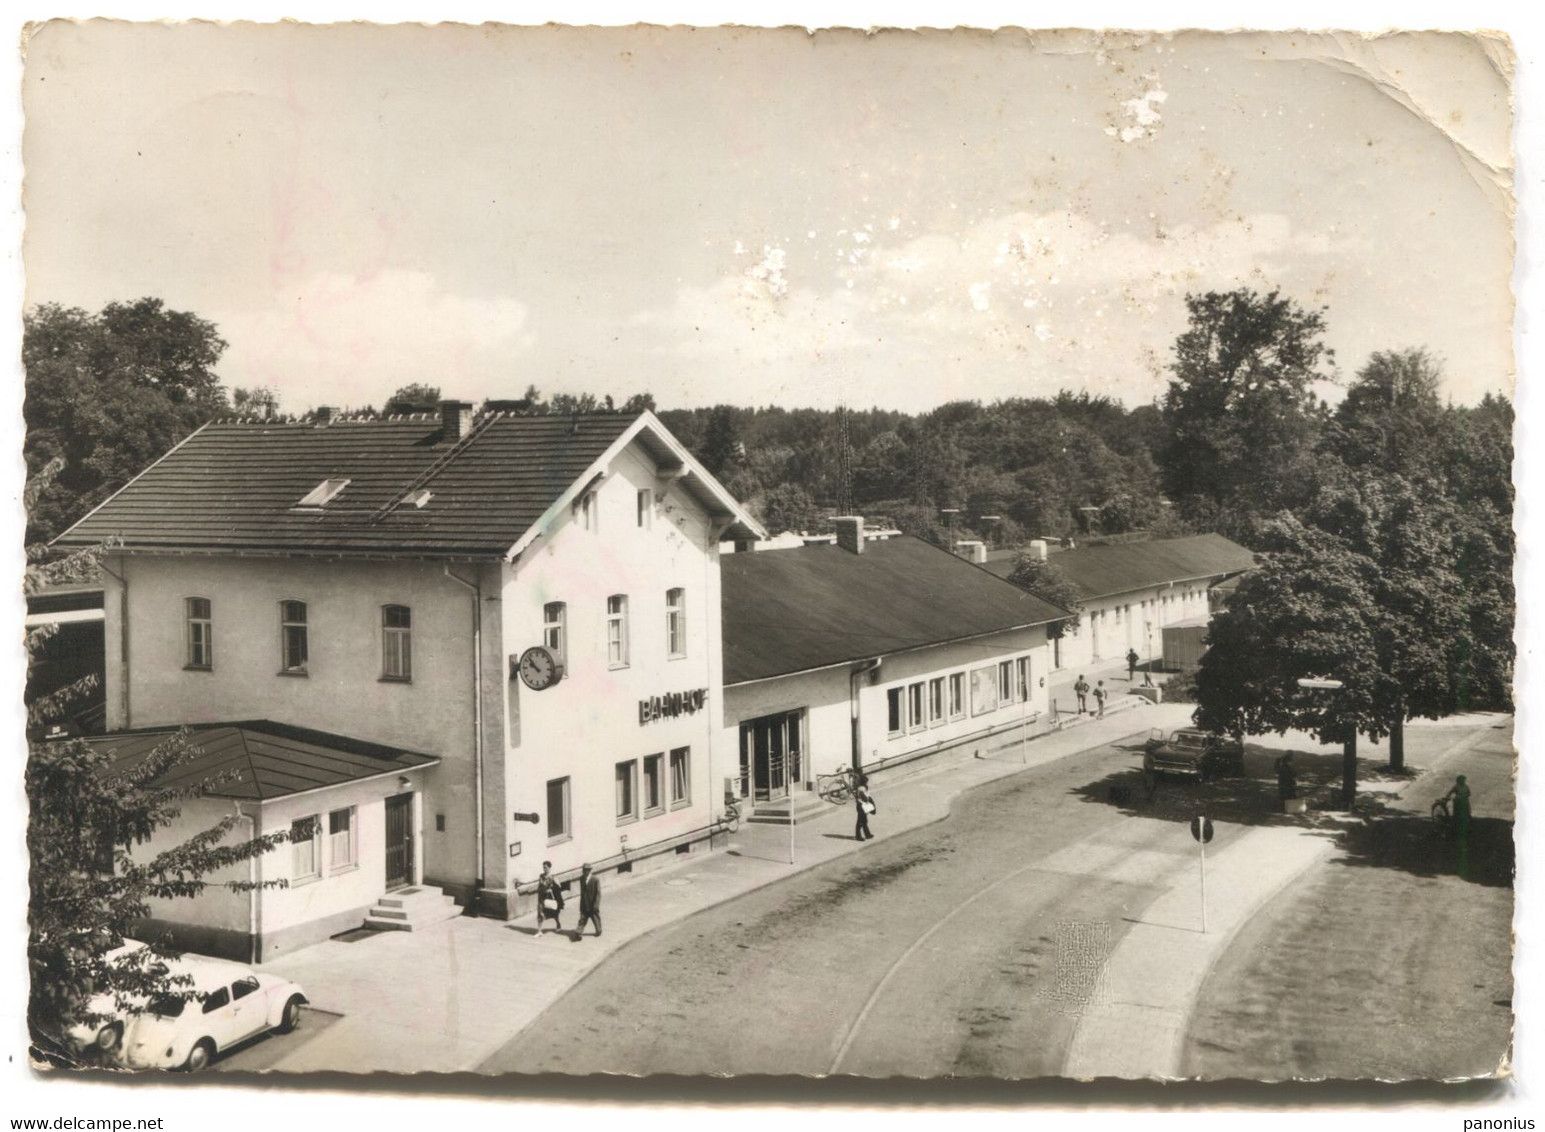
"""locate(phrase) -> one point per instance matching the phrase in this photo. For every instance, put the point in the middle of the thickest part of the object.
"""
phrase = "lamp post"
(1348, 746)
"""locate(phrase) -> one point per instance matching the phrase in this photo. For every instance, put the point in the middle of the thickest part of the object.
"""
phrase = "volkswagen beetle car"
(102, 1036)
(1193, 751)
(225, 1004)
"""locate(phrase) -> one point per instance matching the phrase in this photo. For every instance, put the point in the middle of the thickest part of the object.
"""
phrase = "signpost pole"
(1203, 846)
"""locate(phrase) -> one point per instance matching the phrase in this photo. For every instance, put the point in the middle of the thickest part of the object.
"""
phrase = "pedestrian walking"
(1287, 780)
(865, 806)
(1131, 665)
(1099, 700)
(1081, 690)
(549, 899)
(589, 902)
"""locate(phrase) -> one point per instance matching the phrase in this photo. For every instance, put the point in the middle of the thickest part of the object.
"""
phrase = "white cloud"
(349, 340)
(1020, 304)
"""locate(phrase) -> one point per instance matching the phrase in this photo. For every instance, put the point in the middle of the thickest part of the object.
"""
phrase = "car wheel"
(199, 1057)
(109, 1038)
(291, 1017)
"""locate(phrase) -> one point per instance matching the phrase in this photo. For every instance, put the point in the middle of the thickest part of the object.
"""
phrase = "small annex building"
(519, 614)
(1133, 590)
(869, 653)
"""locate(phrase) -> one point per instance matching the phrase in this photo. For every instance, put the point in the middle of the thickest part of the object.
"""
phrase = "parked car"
(1193, 751)
(101, 1038)
(228, 1004)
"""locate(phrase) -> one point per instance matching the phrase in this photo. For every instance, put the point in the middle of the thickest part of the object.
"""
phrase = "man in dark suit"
(589, 902)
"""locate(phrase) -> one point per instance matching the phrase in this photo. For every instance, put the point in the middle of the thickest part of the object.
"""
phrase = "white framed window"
(1005, 682)
(341, 846)
(957, 695)
(558, 827)
(654, 784)
(323, 493)
(396, 642)
(305, 848)
(645, 508)
(915, 716)
(984, 689)
(1022, 679)
(617, 631)
(201, 641)
(893, 709)
(676, 623)
(293, 643)
(936, 700)
(627, 791)
(554, 615)
(681, 777)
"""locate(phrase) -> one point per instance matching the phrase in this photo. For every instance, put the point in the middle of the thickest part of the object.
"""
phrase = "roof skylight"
(323, 493)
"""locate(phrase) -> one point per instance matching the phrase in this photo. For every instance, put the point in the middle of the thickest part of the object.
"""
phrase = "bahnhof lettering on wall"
(403, 638)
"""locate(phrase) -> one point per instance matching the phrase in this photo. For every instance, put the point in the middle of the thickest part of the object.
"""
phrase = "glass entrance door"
(771, 754)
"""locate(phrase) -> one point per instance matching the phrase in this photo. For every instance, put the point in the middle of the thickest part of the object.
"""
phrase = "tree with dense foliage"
(414, 398)
(1240, 412)
(786, 507)
(107, 394)
(1049, 582)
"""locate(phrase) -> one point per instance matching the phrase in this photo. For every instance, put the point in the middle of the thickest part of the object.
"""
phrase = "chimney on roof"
(455, 420)
(850, 533)
(323, 414)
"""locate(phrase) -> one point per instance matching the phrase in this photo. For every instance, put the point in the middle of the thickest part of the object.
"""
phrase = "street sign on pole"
(1201, 830)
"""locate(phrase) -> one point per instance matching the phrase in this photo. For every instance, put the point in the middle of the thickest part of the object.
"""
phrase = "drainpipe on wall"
(477, 725)
(254, 906)
(868, 666)
(123, 634)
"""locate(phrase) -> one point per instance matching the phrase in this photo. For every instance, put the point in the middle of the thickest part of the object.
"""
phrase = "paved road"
(966, 947)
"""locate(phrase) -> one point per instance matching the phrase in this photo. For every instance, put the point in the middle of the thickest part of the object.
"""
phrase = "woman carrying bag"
(865, 806)
(549, 899)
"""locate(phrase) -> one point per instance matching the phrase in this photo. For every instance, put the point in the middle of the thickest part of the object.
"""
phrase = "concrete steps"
(798, 807)
(411, 910)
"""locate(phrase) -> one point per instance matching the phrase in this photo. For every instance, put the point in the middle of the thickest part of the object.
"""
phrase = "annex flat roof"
(812, 607)
(260, 760)
(1102, 571)
(237, 486)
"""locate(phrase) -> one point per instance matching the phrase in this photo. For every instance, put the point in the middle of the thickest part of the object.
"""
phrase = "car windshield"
(167, 1006)
(1188, 739)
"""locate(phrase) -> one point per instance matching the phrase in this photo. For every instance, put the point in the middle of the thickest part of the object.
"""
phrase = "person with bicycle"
(1457, 805)
(865, 806)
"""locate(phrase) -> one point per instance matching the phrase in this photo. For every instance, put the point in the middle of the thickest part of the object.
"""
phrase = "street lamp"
(1348, 746)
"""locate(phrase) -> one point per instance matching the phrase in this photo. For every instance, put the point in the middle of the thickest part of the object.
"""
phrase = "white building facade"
(381, 582)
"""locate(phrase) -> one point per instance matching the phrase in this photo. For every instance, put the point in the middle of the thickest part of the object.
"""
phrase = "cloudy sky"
(762, 216)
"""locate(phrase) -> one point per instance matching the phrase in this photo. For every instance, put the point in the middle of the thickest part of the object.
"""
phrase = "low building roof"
(1101, 571)
(237, 486)
(260, 760)
(817, 606)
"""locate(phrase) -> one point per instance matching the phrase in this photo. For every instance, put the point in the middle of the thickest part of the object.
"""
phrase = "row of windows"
(397, 634)
(941, 699)
(319, 847)
(666, 784)
(294, 638)
(555, 631)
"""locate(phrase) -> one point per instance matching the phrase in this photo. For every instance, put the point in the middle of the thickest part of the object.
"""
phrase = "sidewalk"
(446, 999)
(1136, 1027)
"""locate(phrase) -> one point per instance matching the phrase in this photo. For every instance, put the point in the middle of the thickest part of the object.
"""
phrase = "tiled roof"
(1100, 571)
(259, 760)
(235, 486)
(792, 610)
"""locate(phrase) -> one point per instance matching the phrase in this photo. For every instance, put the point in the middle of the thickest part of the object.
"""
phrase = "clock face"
(539, 669)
